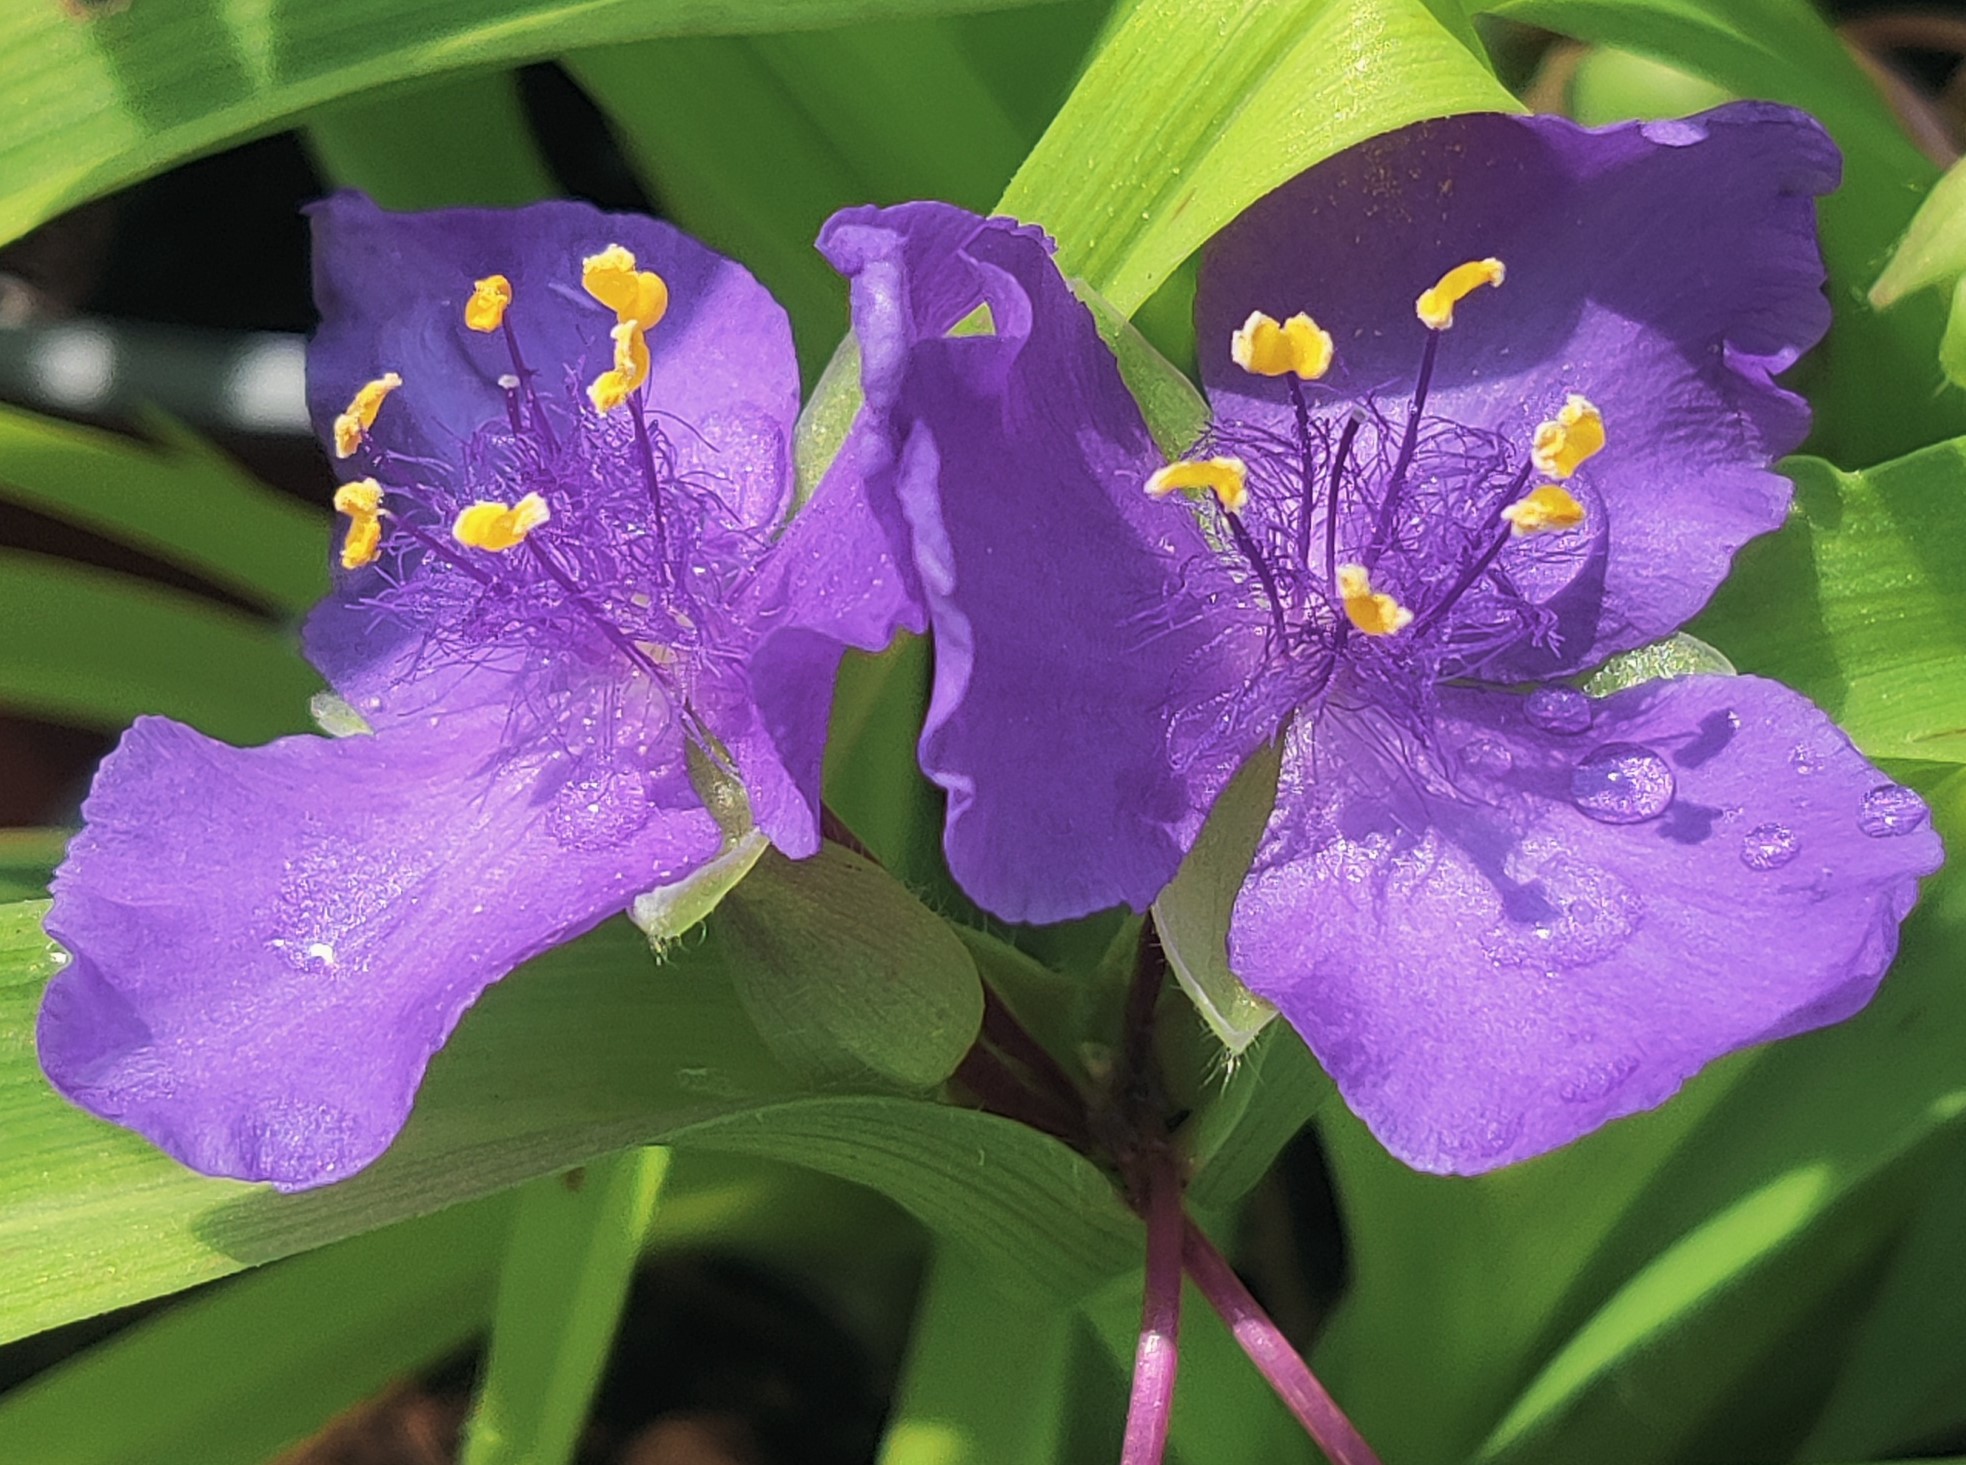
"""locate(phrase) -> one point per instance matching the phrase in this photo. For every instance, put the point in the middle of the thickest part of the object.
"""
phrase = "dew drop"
(1487, 757)
(1769, 846)
(1889, 809)
(1622, 783)
(1562, 710)
(599, 808)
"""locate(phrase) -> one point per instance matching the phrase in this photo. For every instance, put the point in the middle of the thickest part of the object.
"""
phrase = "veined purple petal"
(1085, 709)
(269, 943)
(1498, 944)
(1665, 271)
(392, 288)
(721, 397)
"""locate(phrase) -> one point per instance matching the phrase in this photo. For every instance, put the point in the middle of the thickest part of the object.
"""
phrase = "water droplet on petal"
(1889, 809)
(1807, 760)
(1622, 783)
(1769, 846)
(599, 808)
(1487, 757)
(1562, 710)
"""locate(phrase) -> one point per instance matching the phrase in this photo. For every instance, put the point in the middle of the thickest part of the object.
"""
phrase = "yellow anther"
(362, 544)
(361, 501)
(485, 310)
(1373, 613)
(1226, 478)
(1297, 347)
(488, 524)
(631, 368)
(634, 295)
(1564, 445)
(1547, 508)
(353, 425)
(1435, 307)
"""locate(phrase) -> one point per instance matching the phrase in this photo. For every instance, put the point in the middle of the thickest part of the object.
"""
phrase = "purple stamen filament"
(647, 451)
(525, 375)
(1479, 566)
(578, 599)
(1302, 410)
(441, 550)
(1409, 441)
(1261, 566)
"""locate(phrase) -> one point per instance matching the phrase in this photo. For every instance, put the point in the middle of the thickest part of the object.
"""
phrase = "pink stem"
(1272, 1354)
(1157, 1356)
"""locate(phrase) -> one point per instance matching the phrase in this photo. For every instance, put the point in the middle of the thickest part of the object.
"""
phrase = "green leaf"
(27, 858)
(572, 1253)
(96, 649)
(440, 144)
(1875, 380)
(1192, 914)
(1039, 1216)
(180, 500)
(752, 143)
(849, 978)
(233, 1377)
(986, 1375)
(1610, 85)
(1710, 1253)
(583, 1052)
(1176, 413)
(1858, 601)
(103, 100)
(1905, 1377)
(1193, 109)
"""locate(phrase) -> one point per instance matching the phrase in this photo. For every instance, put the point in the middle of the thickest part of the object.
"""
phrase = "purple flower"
(571, 608)
(1493, 401)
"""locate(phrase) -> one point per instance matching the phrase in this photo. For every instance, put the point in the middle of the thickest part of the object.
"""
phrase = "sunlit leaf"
(102, 96)
(97, 649)
(1859, 602)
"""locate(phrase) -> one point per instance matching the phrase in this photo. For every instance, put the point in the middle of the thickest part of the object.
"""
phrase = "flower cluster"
(1492, 400)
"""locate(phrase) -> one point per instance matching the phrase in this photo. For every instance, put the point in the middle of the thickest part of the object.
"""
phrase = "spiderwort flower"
(569, 604)
(1492, 400)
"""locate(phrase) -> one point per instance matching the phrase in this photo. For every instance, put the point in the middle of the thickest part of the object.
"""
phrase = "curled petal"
(1085, 710)
(1500, 942)
(269, 943)
(1666, 271)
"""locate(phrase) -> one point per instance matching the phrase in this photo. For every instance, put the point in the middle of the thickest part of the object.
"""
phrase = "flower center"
(1370, 534)
(568, 535)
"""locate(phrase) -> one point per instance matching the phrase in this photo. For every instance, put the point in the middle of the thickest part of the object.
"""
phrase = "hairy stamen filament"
(440, 549)
(1302, 408)
(1479, 565)
(1338, 462)
(1409, 441)
(646, 451)
(526, 375)
(578, 599)
(1254, 555)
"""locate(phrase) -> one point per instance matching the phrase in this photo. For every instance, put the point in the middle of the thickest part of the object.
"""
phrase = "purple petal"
(269, 943)
(832, 581)
(1069, 634)
(1663, 270)
(1491, 972)
(723, 386)
(391, 290)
